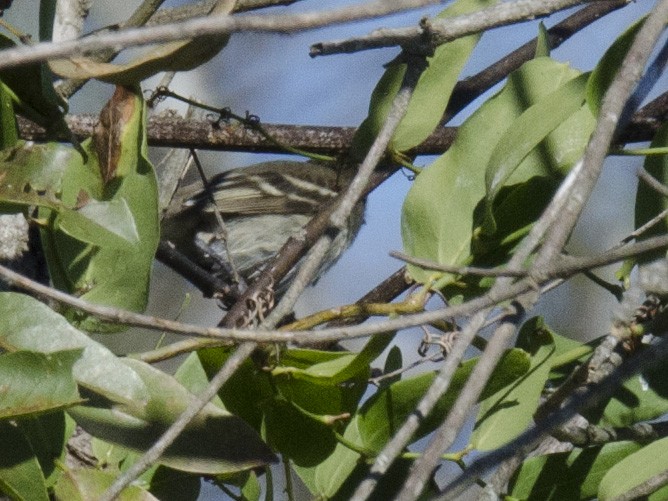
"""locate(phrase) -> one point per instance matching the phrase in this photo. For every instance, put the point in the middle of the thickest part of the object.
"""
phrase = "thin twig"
(652, 182)
(458, 270)
(434, 32)
(474, 86)
(150, 457)
(575, 190)
(226, 336)
(202, 27)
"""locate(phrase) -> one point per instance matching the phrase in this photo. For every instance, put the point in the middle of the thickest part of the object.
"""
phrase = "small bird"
(261, 207)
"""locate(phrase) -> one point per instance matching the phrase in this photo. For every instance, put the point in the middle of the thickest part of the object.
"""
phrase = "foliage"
(95, 204)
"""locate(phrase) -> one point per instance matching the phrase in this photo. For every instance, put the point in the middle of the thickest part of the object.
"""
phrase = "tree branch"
(434, 32)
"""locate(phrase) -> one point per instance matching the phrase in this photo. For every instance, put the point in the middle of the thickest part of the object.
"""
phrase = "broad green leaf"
(327, 477)
(292, 412)
(130, 403)
(251, 489)
(608, 66)
(338, 368)
(47, 13)
(431, 95)
(119, 184)
(389, 484)
(85, 484)
(542, 42)
(32, 175)
(29, 325)
(32, 93)
(192, 376)
(167, 484)
(634, 469)
(214, 442)
(523, 136)
(306, 441)
(36, 383)
(568, 475)
(444, 208)
(393, 362)
(47, 436)
(9, 134)
(642, 398)
(172, 56)
(509, 412)
(21, 477)
(114, 216)
(385, 412)
(650, 203)
(247, 392)
(55, 178)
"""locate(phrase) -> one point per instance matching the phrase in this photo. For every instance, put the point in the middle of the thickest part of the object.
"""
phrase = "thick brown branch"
(178, 132)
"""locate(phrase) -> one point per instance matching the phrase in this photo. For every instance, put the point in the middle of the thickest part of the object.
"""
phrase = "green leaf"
(393, 363)
(167, 484)
(506, 414)
(337, 367)
(47, 13)
(568, 475)
(117, 189)
(85, 484)
(524, 134)
(9, 133)
(33, 94)
(21, 477)
(386, 411)
(292, 412)
(609, 65)
(650, 203)
(440, 216)
(47, 435)
(389, 485)
(431, 95)
(642, 398)
(35, 383)
(192, 376)
(634, 469)
(182, 55)
(246, 391)
(29, 325)
(113, 216)
(128, 402)
(251, 489)
(542, 42)
(213, 443)
(327, 477)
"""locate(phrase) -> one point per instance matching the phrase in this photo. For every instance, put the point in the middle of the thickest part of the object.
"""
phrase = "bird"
(257, 209)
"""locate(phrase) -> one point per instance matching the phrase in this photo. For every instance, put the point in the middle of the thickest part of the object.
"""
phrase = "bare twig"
(158, 448)
(202, 27)
(228, 336)
(652, 182)
(434, 32)
(458, 270)
(474, 86)
(645, 488)
(177, 132)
